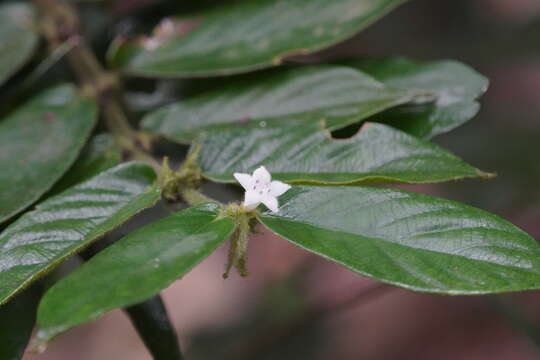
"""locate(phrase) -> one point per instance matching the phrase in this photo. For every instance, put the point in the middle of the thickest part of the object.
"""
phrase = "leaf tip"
(278, 59)
(40, 342)
(486, 175)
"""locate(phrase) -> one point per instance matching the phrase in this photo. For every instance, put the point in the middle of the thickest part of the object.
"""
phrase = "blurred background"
(298, 306)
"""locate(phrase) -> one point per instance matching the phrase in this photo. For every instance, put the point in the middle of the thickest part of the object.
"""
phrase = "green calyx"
(245, 221)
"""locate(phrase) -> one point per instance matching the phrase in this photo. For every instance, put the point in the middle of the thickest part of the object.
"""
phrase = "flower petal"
(278, 188)
(262, 175)
(252, 199)
(245, 180)
(271, 203)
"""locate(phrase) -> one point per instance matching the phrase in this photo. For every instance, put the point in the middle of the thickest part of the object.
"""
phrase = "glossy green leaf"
(38, 144)
(66, 223)
(338, 95)
(244, 35)
(308, 155)
(18, 38)
(133, 269)
(17, 319)
(100, 154)
(446, 93)
(410, 240)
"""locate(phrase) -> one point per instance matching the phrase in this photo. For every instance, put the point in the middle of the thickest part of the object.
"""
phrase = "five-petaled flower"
(261, 189)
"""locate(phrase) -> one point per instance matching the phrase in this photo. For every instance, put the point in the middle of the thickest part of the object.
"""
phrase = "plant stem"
(194, 197)
(60, 25)
(152, 322)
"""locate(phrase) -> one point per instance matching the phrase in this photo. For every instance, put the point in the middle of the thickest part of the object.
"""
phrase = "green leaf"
(446, 93)
(133, 269)
(38, 144)
(307, 154)
(244, 35)
(410, 240)
(17, 320)
(100, 154)
(66, 223)
(338, 95)
(18, 39)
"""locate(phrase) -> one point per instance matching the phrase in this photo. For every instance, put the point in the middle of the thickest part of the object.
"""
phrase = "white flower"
(261, 189)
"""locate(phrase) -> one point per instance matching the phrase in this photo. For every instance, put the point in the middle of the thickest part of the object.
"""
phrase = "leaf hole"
(348, 131)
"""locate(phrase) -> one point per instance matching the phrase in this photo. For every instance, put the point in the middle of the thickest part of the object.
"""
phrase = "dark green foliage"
(67, 179)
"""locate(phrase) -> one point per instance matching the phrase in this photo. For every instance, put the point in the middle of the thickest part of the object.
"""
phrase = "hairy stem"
(245, 221)
(194, 197)
(60, 25)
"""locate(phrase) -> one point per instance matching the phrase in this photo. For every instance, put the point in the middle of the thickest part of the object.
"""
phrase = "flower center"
(261, 188)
